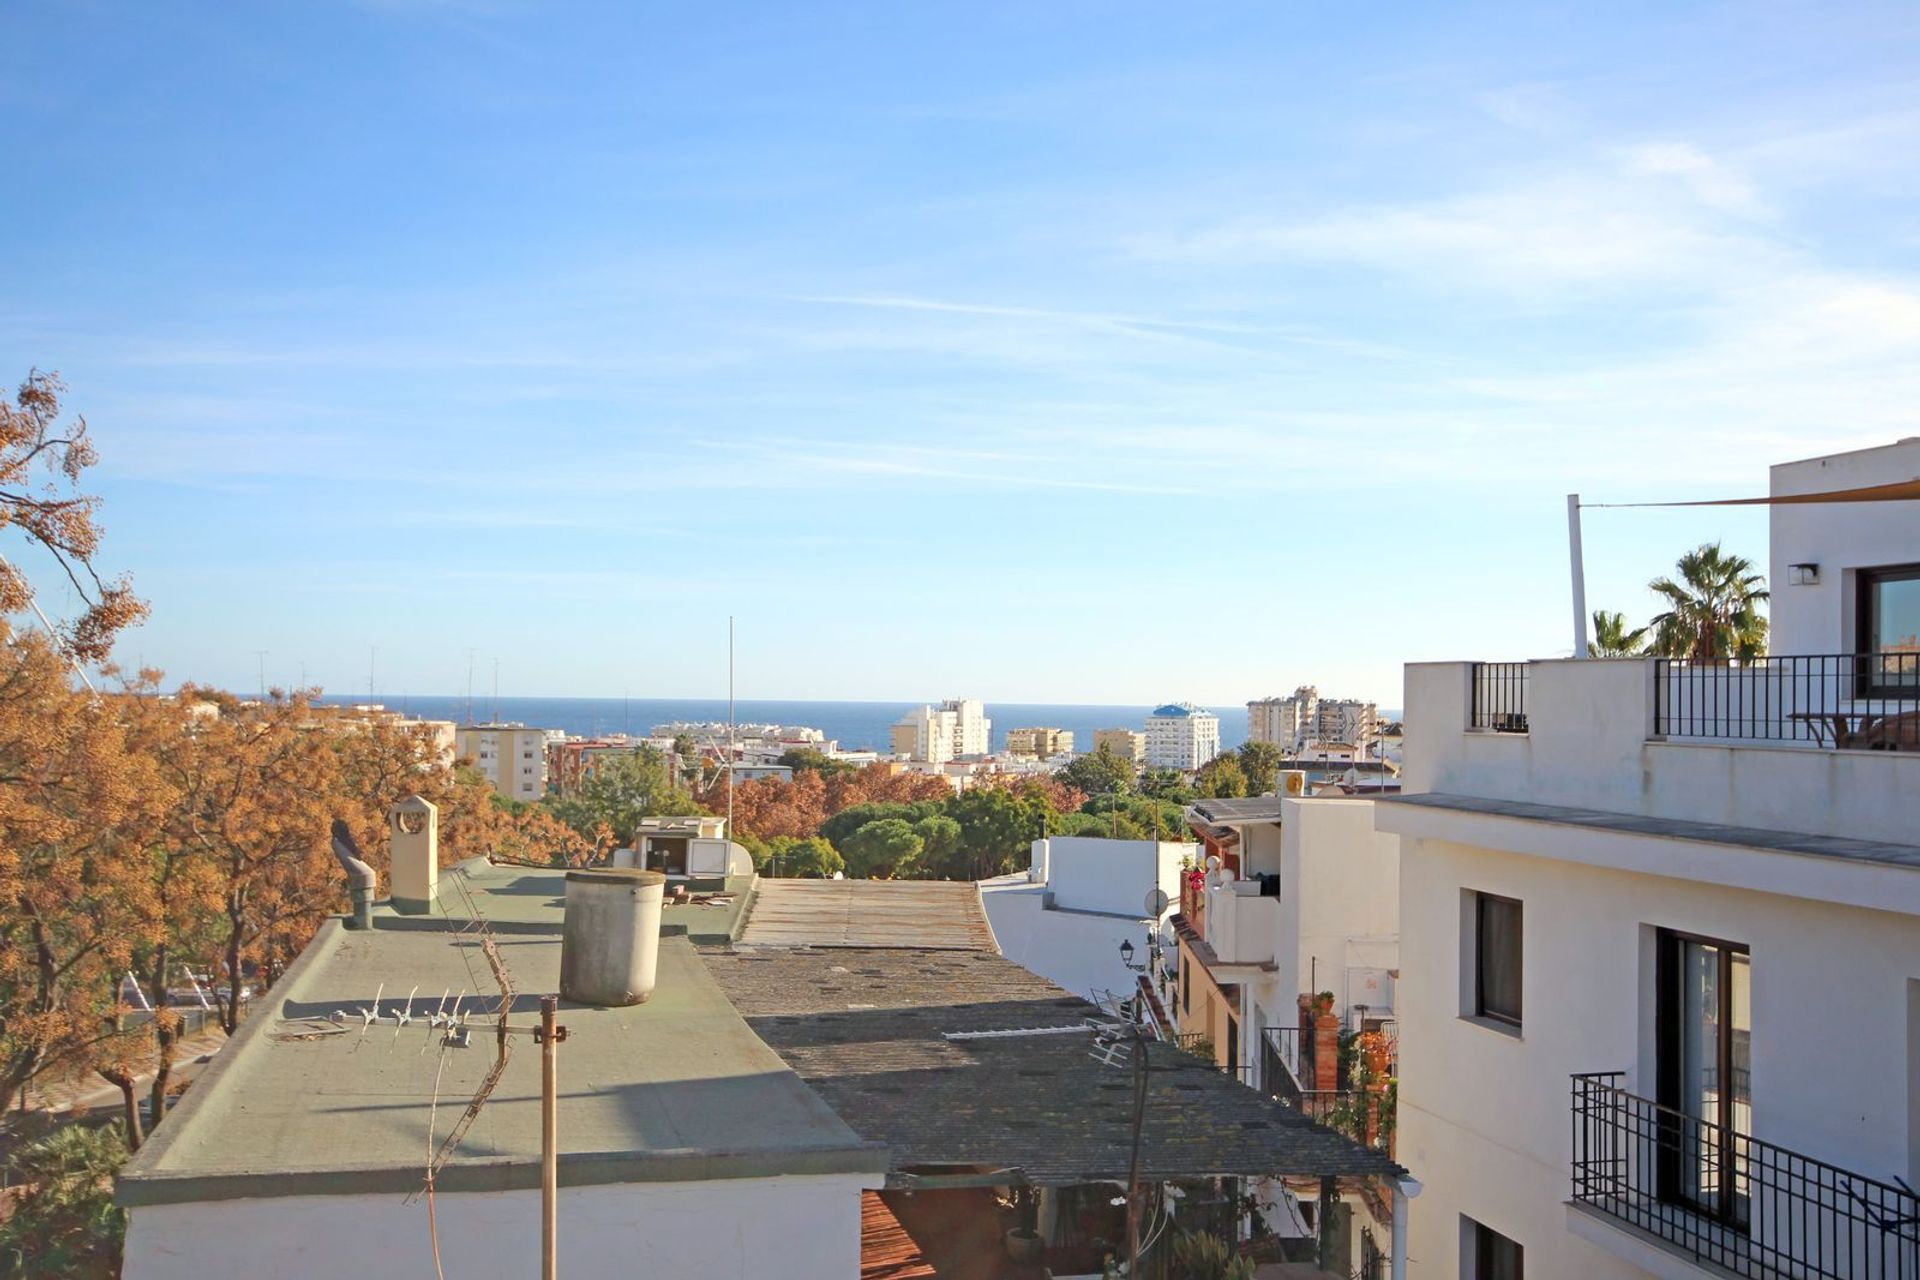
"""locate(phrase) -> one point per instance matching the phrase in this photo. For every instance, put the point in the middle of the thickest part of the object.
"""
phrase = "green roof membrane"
(676, 1089)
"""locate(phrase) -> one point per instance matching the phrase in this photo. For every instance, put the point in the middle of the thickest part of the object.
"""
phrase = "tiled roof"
(867, 1029)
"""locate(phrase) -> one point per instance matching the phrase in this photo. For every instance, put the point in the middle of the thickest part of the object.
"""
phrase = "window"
(1494, 1256)
(1496, 958)
(1890, 631)
(1703, 1040)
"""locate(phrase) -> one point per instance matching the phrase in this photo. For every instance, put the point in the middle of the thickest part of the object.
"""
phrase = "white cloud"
(1711, 182)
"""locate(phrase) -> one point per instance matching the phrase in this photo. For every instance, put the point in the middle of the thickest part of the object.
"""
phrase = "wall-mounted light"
(1803, 575)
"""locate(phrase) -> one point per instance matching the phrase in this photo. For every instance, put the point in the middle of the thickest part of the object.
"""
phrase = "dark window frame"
(1865, 580)
(1668, 947)
(1481, 1009)
(1486, 1241)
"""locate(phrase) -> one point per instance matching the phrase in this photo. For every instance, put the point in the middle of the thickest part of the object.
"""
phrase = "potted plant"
(1023, 1239)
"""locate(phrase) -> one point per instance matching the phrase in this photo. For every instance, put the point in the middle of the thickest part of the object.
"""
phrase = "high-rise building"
(956, 728)
(1292, 722)
(1128, 744)
(1182, 736)
(512, 756)
(1040, 743)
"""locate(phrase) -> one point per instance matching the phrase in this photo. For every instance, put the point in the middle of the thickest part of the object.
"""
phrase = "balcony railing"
(1280, 1062)
(1499, 697)
(1847, 700)
(1728, 1199)
(1365, 1115)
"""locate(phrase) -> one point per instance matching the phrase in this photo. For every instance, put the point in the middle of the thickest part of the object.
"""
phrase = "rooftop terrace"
(678, 1088)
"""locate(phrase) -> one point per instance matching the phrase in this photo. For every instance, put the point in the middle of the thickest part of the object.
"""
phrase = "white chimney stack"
(416, 855)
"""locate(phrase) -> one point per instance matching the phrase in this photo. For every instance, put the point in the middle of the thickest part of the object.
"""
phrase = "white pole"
(1579, 567)
(730, 726)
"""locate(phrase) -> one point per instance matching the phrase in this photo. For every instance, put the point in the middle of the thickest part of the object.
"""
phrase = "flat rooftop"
(868, 913)
(679, 1088)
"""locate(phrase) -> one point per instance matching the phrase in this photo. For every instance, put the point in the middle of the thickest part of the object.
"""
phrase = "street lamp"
(1126, 956)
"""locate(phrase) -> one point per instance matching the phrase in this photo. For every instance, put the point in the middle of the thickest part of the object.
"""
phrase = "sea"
(854, 725)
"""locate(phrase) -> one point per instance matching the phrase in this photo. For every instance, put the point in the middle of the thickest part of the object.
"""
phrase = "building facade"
(1304, 717)
(1040, 743)
(513, 757)
(1660, 1003)
(1128, 744)
(957, 728)
(1182, 736)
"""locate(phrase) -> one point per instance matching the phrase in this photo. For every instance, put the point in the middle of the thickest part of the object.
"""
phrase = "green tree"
(1712, 608)
(1098, 773)
(623, 790)
(803, 758)
(1222, 778)
(1166, 784)
(882, 850)
(794, 858)
(1139, 817)
(1261, 762)
(1612, 638)
(64, 1221)
(997, 828)
(941, 850)
(850, 819)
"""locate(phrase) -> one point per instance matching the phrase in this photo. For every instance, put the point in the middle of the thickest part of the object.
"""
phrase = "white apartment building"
(1304, 717)
(1288, 941)
(1660, 992)
(1182, 736)
(957, 728)
(512, 756)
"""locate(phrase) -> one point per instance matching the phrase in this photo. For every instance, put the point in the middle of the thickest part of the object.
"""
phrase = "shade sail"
(1897, 491)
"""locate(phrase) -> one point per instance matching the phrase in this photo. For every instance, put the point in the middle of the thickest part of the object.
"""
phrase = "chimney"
(610, 942)
(415, 824)
(360, 877)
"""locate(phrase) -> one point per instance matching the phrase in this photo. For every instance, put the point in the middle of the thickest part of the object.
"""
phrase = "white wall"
(1484, 1114)
(1837, 537)
(748, 1229)
(1092, 873)
(1344, 908)
(1587, 746)
(1078, 952)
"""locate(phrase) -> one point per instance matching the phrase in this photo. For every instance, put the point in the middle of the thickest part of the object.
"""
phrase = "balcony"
(1730, 1202)
(1243, 924)
(1844, 701)
(1825, 745)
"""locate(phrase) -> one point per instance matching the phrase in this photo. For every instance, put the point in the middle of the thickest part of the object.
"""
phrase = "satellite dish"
(1157, 902)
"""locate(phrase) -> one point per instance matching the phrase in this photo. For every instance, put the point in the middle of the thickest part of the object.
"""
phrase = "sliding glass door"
(1704, 1039)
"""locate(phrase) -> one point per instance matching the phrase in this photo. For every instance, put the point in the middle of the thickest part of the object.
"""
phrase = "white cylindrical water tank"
(611, 940)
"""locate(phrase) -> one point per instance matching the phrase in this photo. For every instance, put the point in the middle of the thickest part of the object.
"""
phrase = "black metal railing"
(1859, 701)
(1725, 1198)
(1499, 697)
(1363, 1115)
(1279, 1057)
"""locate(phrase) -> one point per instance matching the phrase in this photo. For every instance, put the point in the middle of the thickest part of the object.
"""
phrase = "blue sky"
(1050, 352)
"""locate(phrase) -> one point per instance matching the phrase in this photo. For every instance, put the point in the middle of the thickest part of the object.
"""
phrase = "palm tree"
(1713, 609)
(1611, 639)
